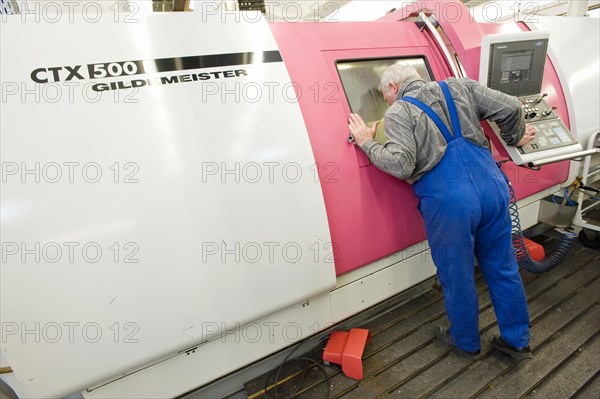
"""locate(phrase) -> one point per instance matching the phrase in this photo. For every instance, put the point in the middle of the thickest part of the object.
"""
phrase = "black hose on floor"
(523, 259)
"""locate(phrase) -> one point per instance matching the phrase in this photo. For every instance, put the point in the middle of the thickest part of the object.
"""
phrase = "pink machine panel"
(372, 214)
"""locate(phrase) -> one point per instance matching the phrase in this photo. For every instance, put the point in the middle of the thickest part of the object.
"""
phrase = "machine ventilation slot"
(252, 5)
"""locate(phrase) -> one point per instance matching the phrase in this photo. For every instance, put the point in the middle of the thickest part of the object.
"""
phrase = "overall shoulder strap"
(433, 116)
(451, 110)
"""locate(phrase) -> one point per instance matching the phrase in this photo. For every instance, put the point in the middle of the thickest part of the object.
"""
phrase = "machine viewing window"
(361, 79)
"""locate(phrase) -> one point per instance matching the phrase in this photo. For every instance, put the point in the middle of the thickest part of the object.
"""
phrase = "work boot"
(515, 353)
(443, 334)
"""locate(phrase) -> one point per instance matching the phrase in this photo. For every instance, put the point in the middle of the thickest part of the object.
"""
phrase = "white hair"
(397, 74)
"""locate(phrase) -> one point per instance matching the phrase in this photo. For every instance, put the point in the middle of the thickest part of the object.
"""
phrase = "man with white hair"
(435, 142)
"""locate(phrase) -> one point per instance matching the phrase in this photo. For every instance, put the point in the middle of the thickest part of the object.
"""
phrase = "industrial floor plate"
(405, 360)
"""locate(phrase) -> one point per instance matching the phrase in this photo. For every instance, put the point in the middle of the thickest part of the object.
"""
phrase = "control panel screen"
(516, 66)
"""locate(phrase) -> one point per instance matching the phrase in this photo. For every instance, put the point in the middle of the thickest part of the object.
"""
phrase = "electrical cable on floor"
(524, 260)
(290, 392)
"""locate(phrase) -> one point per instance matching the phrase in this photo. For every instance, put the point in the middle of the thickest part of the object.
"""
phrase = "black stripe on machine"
(182, 63)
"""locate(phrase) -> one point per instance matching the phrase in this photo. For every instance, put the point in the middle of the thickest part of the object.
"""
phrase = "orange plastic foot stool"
(346, 349)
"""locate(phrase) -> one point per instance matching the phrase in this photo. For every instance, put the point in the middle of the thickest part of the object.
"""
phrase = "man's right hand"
(528, 137)
(359, 129)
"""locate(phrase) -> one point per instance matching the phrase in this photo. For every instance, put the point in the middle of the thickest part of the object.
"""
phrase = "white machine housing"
(316, 299)
(158, 210)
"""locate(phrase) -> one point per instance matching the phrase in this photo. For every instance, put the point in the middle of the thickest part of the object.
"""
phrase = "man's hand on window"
(359, 129)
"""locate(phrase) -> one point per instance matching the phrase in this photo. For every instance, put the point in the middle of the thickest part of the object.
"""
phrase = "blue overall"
(464, 202)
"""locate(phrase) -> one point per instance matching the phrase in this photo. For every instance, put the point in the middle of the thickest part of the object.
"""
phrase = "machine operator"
(435, 142)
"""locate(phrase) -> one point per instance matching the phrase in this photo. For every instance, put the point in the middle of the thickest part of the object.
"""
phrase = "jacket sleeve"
(398, 156)
(501, 108)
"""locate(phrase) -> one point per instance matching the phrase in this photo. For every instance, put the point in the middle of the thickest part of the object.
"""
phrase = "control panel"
(551, 131)
(513, 63)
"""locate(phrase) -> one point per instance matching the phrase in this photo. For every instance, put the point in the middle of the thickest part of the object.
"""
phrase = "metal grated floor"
(405, 360)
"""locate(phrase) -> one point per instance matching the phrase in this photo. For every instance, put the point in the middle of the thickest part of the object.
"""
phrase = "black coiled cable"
(523, 259)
